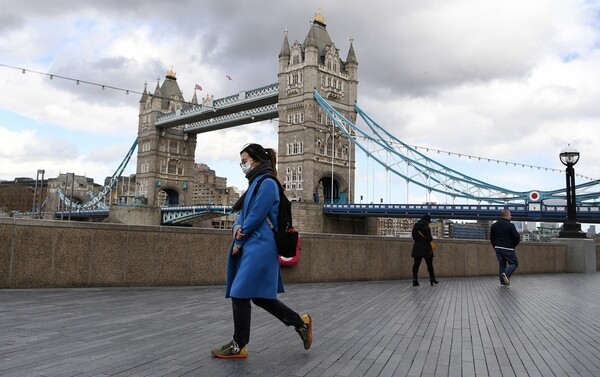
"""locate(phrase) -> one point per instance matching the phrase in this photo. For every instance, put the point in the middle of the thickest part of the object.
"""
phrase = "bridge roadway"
(520, 212)
(542, 325)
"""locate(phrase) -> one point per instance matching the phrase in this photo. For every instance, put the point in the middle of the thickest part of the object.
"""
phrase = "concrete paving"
(542, 325)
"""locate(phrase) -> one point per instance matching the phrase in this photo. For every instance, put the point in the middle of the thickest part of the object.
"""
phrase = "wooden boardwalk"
(543, 325)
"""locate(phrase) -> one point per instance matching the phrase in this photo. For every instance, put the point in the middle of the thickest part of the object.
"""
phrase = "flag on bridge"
(197, 87)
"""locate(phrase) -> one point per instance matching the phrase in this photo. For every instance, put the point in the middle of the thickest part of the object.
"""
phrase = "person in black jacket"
(504, 237)
(421, 234)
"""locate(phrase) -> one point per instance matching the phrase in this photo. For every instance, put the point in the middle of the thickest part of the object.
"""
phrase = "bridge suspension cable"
(425, 172)
(97, 201)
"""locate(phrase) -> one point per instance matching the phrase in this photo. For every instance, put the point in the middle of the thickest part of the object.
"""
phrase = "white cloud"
(511, 80)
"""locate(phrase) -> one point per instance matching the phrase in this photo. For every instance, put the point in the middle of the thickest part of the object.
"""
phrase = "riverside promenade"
(542, 325)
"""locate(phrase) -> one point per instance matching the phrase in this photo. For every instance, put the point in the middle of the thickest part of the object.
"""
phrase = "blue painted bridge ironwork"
(243, 108)
(177, 215)
(520, 212)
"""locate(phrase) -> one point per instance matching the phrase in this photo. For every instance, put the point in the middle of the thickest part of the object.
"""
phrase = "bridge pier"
(308, 217)
(134, 215)
(581, 254)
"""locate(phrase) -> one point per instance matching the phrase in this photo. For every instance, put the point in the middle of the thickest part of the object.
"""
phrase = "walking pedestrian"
(504, 238)
(253, 271)
(422, 249)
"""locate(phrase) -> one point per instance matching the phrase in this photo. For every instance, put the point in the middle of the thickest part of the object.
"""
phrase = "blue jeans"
(507, 261)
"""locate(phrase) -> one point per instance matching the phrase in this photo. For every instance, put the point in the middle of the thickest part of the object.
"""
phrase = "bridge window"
(320, 147)
(293, 178)
(296, 78)
(330, 147)
(328, 121)
(174, 167)
(173, 146)
(295, 148)
(295, 118)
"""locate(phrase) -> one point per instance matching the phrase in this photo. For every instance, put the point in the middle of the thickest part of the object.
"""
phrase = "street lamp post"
(571, 229)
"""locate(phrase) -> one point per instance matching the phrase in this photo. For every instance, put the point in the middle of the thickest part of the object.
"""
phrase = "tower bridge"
(315, 100)
(309, 160)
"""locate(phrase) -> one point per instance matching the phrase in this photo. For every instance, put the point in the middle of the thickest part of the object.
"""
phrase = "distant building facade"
(17, 195)
(472, 231)
(211, 189)
(402, 227)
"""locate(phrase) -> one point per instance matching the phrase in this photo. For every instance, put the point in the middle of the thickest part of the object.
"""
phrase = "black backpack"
(286, 237)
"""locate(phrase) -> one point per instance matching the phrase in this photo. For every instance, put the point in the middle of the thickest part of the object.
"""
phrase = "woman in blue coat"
(253, 271)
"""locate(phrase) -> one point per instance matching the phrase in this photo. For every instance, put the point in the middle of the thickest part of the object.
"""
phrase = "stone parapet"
(49, 253)
(581, 254)
(308, 218)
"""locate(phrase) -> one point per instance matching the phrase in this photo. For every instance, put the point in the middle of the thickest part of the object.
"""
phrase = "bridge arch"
(333, 188)
(169, 196)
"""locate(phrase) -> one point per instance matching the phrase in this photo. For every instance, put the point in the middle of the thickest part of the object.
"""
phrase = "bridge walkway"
(542, 325)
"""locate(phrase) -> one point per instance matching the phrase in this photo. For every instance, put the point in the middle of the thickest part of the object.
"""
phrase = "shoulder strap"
(260, 181)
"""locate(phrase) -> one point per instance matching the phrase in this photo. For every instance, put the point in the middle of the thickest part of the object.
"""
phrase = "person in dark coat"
(253, 272)
(421, 234)
(504, 238)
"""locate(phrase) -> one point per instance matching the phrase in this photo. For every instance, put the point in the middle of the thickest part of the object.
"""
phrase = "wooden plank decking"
(542, 325)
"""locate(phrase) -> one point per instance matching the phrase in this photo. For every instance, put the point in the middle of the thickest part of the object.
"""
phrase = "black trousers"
(242, 310)
(417, 264)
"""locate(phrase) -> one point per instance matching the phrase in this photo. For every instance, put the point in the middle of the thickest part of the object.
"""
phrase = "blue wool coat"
(255, 272)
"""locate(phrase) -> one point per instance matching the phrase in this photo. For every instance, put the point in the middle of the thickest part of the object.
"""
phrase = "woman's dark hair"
(260, 154)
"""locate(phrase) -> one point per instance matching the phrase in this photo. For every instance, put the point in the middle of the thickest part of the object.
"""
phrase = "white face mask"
(246, 167)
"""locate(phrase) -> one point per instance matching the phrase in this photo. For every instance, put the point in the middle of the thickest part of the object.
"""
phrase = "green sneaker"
(230, 351)
(306, 331)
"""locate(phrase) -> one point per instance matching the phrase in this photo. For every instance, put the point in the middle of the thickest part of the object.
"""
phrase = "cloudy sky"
(513, 81)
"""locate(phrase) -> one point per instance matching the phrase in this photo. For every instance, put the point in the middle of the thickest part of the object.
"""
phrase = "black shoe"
(415, 283)
(505, 279)
(433, 281)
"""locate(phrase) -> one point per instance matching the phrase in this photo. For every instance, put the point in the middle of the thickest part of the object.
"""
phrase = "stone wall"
(308, 218)
(42, 253)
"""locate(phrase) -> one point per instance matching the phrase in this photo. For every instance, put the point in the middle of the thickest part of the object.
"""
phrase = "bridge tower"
(165, 160)
(315, 160)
